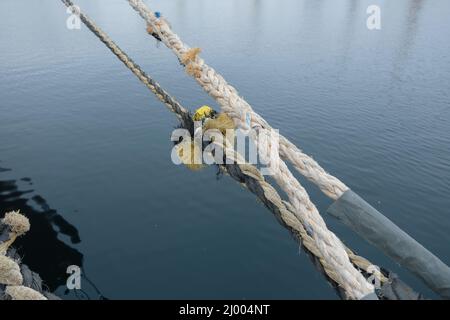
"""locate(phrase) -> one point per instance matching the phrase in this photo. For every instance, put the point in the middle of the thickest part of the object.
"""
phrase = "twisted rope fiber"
(232, 103)
(249, 176)
(254, 181)
(171, 103)
(329, 245)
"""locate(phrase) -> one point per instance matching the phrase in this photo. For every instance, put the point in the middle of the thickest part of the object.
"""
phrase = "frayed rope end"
(190, 55)
(18, 223)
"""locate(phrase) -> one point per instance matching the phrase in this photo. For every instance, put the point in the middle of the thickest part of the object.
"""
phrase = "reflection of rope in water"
(100, 296)
(20, 282)
(47, 227)
(76, 292)
(81, 294)
(47, 224)
(84, 275)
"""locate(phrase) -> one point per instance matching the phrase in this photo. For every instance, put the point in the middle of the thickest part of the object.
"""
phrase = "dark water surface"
(93, 144)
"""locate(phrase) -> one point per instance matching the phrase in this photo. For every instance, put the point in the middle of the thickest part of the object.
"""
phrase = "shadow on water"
(41, 249)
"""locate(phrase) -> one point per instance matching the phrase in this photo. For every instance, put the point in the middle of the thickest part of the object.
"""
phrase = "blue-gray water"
(372, 107)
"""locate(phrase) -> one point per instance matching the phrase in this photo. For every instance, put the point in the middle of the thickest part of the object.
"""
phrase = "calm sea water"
(85, 150)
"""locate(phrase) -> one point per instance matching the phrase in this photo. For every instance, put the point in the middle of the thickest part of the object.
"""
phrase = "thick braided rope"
(329, 245)
(254, 181)
(236, 106)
